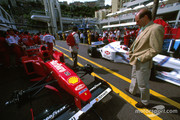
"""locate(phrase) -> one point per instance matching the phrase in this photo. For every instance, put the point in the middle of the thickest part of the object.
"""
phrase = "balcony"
(129, 17)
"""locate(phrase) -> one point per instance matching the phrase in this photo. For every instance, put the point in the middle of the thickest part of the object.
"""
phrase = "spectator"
(147, 45)
(81, 36)
(118, 34)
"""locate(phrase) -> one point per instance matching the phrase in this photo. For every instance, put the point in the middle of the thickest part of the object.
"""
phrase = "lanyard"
(140, 31)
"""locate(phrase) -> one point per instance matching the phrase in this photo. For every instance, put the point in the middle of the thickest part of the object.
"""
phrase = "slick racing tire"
(92, 52)
(153, 73)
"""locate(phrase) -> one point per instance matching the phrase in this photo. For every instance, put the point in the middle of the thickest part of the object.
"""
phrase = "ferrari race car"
(166, 65)
(76, 95)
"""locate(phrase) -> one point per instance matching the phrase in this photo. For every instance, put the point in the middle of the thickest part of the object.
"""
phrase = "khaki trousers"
(140, 79)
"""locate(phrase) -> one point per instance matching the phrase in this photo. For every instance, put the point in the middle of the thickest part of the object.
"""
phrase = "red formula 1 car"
(48, 70)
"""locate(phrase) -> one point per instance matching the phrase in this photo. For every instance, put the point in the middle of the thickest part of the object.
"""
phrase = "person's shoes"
(127, 90)
(140, 105)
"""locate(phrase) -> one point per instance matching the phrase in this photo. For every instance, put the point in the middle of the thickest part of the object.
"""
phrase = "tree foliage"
(21, 13)
(79, 11)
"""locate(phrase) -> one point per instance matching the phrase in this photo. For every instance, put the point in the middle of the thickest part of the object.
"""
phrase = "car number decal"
(58, 66)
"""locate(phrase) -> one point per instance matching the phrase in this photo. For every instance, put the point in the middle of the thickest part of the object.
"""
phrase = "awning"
(42, 18)
(120, 12)
(120, 25)
(139, 7)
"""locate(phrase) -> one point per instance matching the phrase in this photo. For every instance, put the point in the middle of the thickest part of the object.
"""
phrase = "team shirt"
(11, 40)
(48, 38)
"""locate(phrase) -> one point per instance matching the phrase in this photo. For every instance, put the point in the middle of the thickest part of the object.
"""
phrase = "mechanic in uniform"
(89, 37)
(126, 37)
(74, 49)
(49, 40)
(15, 49)
(147, 45)
(37, 39)
(26, 40)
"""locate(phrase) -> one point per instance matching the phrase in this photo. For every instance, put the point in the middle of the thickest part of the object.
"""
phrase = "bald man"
(147, 45)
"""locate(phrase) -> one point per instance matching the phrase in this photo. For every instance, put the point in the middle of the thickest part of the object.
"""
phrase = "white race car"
(113, 51)
(166, 67)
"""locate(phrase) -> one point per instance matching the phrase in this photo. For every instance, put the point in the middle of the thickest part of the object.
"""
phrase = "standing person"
(64, 36)
(147, 44)
(81, 36)
(37, 39)
(49, 40)
(26, 39)
(126, 37)
(15, 50)
(96, 36)
(73, 41)
(85, 37)
(41, 37)
(118, 34)
(89, 37)
(104, 35)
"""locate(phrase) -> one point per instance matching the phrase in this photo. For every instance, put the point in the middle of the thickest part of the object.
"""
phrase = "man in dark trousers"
(147, 45)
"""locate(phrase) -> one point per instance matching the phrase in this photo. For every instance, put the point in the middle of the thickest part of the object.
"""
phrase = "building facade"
(101, 14)
(168, 10)
(100, 3)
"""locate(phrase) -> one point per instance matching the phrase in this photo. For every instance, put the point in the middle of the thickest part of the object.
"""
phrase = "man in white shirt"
(15, 49)
(49, 39)
(118, 34)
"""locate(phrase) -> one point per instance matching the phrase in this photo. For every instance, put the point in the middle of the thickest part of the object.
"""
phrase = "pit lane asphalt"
(121, 105)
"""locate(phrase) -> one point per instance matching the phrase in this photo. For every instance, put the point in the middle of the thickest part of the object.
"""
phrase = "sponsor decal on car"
(88, 106)
(73, 80)
(67, 73)
(107, 52)
(58, 66)
(79, 87)
(85, 89)
(101, 96)
(54, 114)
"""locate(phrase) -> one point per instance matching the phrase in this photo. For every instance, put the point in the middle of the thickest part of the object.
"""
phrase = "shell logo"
(73, 80)
(107, 52)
